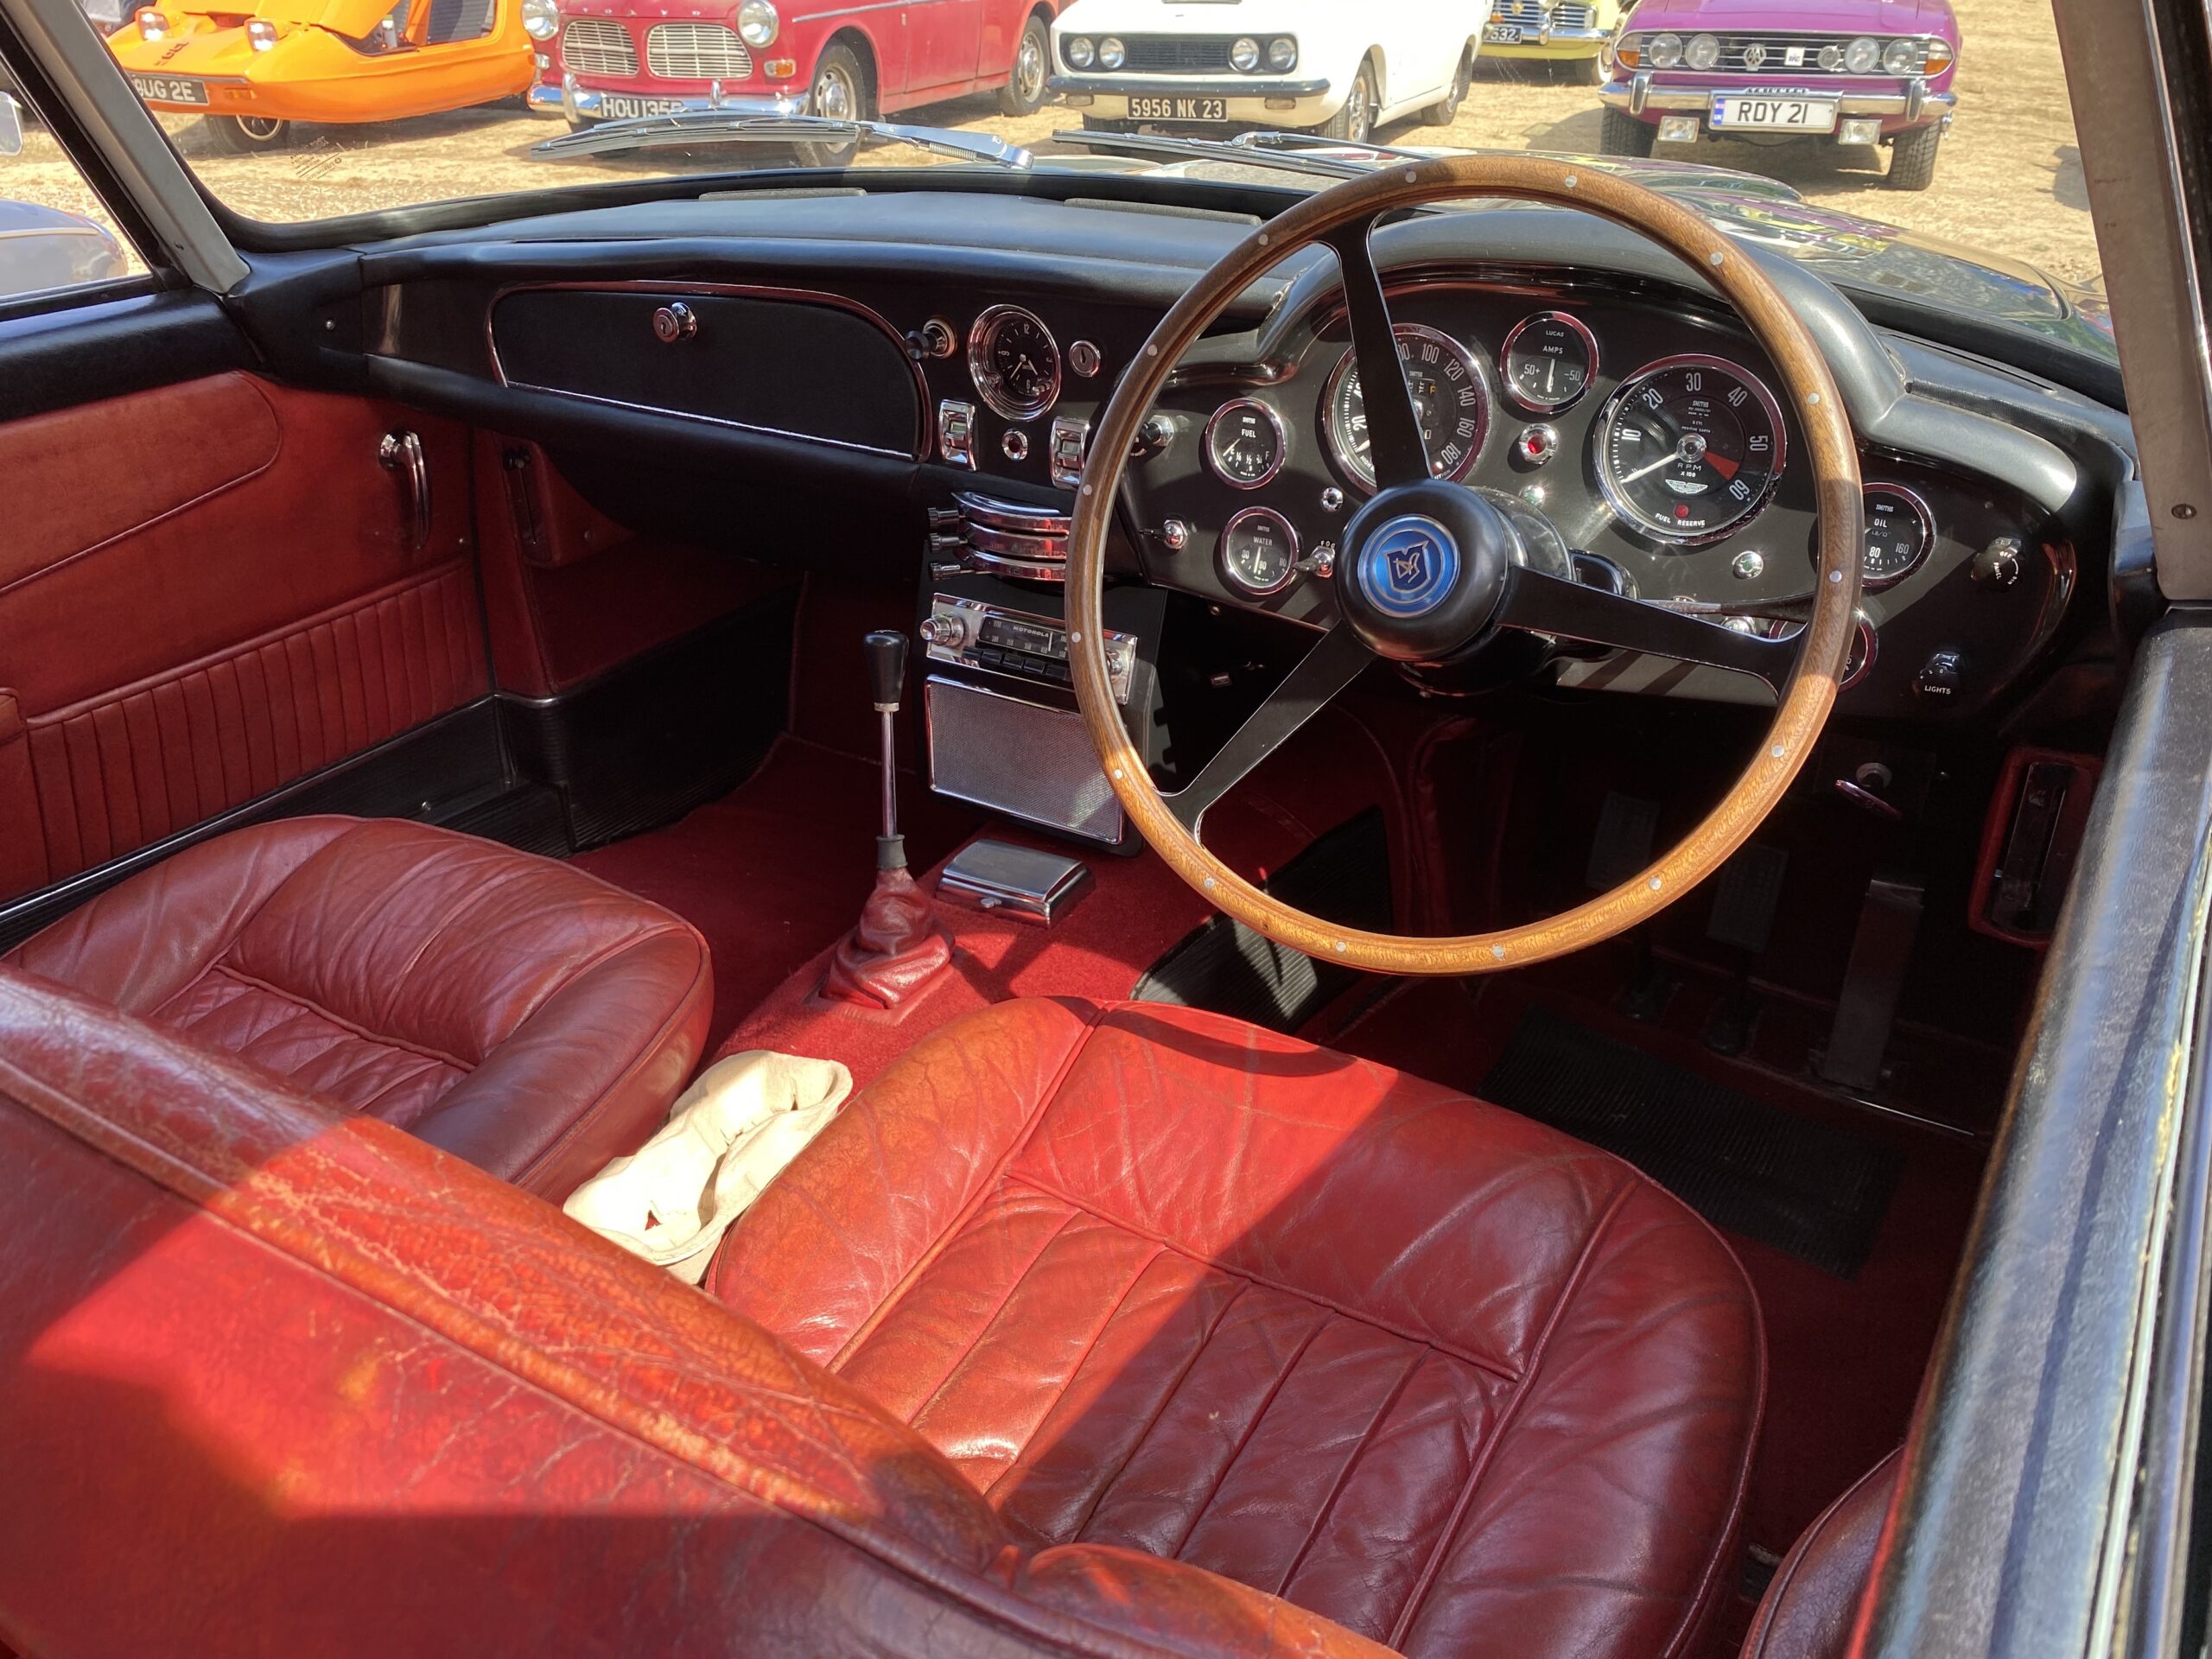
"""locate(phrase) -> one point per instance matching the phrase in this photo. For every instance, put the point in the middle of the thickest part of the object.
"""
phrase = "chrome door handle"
(402, 453)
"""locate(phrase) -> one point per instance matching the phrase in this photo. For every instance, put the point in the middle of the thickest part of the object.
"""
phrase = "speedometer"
(1450, 401)
(1014, 362)
(1689, 447)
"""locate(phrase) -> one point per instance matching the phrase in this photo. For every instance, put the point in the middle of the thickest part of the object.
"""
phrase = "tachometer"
(1449, 400)
(1689, 447)
(1014, 362)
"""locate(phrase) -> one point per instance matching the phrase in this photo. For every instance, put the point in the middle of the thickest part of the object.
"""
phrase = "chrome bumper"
(1547, 36)
(1187, 86)
(1638, 95)
(587, 103)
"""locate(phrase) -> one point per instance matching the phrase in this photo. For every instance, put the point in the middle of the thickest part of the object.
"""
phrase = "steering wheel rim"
(1805, 696)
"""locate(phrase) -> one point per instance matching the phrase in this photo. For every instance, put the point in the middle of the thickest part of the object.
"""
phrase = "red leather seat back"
(1811, 1609)
(277, 1380)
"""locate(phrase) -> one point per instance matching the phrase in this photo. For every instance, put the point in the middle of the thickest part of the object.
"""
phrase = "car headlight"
(1666, 51)
(1282, 55)
(757, 23)
(1861, 56)
(260, 33)
(1244, 54)
(152, 26)
(1703, 52)
(1076, 51)
(1112, 55)
(1831, 57)
(1901, 58)
(541, 19)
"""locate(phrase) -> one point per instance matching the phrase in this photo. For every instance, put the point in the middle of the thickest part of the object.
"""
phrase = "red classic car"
(608, 59)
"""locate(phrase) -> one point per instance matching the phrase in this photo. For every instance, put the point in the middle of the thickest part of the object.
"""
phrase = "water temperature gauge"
(1259, 552)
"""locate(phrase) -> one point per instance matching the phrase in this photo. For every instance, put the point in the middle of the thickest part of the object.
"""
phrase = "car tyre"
(1912, 158)
(1594, 70)
(249, 135)
(839, 89)
(1024, 91)
(1354, 121)
(1444, 113)
(1623, 135)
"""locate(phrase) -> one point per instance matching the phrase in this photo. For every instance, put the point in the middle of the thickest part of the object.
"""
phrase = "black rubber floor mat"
(1814, 1190)
(1226, 967)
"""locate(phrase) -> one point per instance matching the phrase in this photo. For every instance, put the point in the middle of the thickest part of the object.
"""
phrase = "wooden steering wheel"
(1463, 565)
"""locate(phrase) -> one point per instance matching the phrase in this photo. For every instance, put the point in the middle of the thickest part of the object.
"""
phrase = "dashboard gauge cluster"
(1451, 401)
(1548, 361)
(1014, 362)
(1689, 447)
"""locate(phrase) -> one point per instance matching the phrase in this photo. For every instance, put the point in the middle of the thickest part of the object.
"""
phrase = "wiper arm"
(683, 128)
(1283, 138)
(1149, 146)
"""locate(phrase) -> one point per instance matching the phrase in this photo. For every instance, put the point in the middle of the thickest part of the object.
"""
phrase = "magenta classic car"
(1846, 72)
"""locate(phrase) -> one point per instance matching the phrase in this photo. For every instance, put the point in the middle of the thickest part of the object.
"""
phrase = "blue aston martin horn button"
(1409, 565)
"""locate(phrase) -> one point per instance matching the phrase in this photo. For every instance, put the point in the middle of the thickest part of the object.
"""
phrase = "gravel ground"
(2009, 180)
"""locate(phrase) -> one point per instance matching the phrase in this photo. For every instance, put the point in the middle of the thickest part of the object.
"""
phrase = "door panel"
(239, 601)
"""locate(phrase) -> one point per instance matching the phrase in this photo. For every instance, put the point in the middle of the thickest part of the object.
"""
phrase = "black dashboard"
(951, 354)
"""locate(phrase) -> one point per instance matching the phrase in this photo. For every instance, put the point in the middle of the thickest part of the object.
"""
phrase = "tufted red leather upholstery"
(277, 1381)
(520, 1013)
(1154, 1279)
(1811, 1608)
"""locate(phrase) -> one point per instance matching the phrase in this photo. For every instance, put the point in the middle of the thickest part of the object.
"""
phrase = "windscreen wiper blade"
(683, 128)
(1155, 146)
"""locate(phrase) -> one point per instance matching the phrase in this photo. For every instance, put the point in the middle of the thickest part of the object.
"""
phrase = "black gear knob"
(887, 669)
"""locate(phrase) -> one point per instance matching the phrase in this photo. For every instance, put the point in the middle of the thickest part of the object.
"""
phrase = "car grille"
(696, 52)
(1532, 15)
(1177, 54)
(594, 46)
(1768, 54)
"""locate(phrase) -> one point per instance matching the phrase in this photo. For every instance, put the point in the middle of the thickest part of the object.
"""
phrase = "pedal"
(1747, 897)
(1649, 989)
(1881, 951)
(1728, 1028)
(1626, 826)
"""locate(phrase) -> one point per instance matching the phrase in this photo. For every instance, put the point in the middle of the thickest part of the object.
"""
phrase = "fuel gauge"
(1245, 443)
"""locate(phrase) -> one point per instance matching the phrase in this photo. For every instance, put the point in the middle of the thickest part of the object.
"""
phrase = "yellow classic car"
(1577, 35)
(253, 75)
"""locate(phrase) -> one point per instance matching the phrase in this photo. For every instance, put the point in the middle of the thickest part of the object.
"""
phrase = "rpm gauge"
(1899, 531)
(1245, 443)
(1014, 362)
(1689, 447)
(1450, 401)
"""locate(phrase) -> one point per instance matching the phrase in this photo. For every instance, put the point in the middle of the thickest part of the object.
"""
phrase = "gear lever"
(900, 946)
(886, 679)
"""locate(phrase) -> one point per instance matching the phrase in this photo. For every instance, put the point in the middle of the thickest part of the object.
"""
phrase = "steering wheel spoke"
(1544, 604)
(1333, 662)
(1395, 446)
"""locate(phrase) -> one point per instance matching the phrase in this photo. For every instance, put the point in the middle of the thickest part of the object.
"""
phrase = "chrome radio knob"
(945, 632)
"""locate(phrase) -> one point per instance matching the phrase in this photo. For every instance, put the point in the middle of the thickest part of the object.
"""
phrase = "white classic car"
(1343, 70)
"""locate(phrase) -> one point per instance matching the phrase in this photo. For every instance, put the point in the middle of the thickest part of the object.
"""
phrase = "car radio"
(974, 634)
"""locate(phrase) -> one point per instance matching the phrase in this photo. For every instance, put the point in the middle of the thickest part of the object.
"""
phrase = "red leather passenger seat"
(519, 1012)
(1157, 1279)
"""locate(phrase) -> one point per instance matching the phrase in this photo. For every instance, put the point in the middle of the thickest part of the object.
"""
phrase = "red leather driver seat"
(519, 1012)
(1158, 1279)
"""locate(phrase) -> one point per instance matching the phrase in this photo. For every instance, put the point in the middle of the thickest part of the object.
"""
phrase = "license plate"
(1502, 35)
(1740, 113)
(169, 89)
(1179, 109)
(615, 107)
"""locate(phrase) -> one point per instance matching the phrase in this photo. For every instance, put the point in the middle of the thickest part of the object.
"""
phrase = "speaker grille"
(1021, 759)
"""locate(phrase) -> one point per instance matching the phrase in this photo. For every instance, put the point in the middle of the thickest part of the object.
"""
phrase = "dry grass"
(2010, 178)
